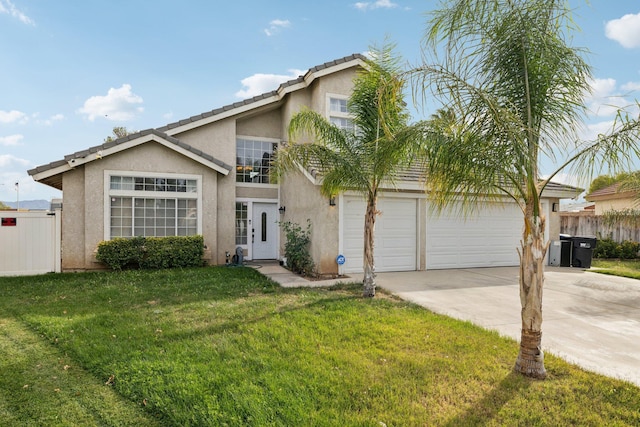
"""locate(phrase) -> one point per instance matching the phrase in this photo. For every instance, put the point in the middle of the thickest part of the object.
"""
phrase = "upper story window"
(339, 113)
(253, 160)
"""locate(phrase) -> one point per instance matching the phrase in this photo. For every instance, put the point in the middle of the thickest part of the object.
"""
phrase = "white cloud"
(606, 99)
(8, 159)
(625, 30)
(592, 130)
(378, 4)
(118, 105)
(51, 120)
(9, 8)
(261, 83)
(564, 178)
(631, 86)
(12, 116)
(11, 140)
(276, 26)
(168, 116)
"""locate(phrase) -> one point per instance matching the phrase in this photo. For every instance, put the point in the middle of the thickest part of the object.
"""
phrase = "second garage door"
(489, 238)
(395, 234)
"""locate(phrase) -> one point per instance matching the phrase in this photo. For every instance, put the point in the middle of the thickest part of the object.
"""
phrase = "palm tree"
(513, 90)
(362, 157)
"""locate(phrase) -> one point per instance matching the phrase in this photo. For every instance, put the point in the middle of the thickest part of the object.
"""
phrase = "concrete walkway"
(589, 319)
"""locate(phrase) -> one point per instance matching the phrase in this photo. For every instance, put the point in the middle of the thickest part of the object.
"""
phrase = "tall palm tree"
(365, 156)
(512, 88)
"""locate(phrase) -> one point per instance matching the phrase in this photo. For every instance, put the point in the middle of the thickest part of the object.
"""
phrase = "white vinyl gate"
(29, 242)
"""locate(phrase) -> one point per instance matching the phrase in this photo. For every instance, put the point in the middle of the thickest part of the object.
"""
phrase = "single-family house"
(209, 175)
(612, 198)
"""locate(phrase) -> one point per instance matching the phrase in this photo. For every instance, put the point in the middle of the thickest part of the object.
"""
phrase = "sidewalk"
(287, 279)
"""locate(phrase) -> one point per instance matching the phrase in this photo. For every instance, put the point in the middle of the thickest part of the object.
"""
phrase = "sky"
(70, 71)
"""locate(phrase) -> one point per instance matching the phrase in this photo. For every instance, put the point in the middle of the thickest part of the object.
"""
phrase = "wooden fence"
(589, 225)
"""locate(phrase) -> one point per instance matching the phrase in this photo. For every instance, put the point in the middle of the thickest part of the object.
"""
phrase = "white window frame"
(108, 193)
(257, 139)
(337, 114)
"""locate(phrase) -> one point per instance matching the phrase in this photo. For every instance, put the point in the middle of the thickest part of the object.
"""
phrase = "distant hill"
(37, 205)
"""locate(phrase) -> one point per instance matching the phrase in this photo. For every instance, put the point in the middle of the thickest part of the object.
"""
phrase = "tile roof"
(605, 191)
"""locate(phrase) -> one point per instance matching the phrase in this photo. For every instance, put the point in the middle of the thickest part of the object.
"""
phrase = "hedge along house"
(209, 175)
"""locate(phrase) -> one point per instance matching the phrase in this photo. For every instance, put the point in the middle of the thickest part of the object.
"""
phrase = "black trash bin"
(582, 251)
(565, 250)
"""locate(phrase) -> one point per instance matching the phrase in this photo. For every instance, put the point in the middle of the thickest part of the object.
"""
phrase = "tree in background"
(512, 89)
(119, 132)
(365, 156)
(3, 206)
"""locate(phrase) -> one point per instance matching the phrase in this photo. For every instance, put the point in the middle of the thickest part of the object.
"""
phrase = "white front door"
(264, 231)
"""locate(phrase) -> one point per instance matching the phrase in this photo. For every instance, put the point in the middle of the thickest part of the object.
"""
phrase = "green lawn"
(225, 346)
(615, 267)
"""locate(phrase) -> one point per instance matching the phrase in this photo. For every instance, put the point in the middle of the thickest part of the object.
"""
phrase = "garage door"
(395, 234)
(488, 238)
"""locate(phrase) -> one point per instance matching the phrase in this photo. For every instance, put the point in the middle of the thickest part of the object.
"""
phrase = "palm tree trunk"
(369, 267)
(530, 361)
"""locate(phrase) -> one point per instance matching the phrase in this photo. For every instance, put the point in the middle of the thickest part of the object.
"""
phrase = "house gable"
(50, 174)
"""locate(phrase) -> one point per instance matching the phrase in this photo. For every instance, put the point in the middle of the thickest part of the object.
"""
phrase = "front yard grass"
(226, 346)
(617, 267)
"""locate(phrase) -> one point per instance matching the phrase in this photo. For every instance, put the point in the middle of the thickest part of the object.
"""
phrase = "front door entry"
(264, 231)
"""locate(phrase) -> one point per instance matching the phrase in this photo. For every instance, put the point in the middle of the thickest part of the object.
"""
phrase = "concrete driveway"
(589, 319)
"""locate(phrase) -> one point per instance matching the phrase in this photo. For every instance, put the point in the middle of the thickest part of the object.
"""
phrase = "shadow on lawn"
(486, 409)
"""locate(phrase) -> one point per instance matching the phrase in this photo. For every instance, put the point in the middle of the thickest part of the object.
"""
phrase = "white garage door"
(488, 238)
(395, 234)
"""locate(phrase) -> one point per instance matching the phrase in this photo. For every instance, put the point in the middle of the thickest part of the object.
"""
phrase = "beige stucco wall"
(303, 201)
(264, 125)
(619, 204)
(84, 199)
(216, 139)
(340, 83)
(73, 221)
(553, 219)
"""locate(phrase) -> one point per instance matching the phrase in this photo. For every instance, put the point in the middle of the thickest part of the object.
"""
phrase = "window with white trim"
(253, 160)
(153, 206)
(339, 113)
(242, 226)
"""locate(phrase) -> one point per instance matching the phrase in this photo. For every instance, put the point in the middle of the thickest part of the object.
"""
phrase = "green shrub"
(173, 252)
(606, 248)
(152, 252)
(296, 249)
(628, 250)
(121, 253)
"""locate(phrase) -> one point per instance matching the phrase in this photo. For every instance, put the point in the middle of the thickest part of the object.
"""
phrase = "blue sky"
(72, 70)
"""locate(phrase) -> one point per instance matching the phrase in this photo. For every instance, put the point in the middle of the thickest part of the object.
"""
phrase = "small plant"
(296, 249)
